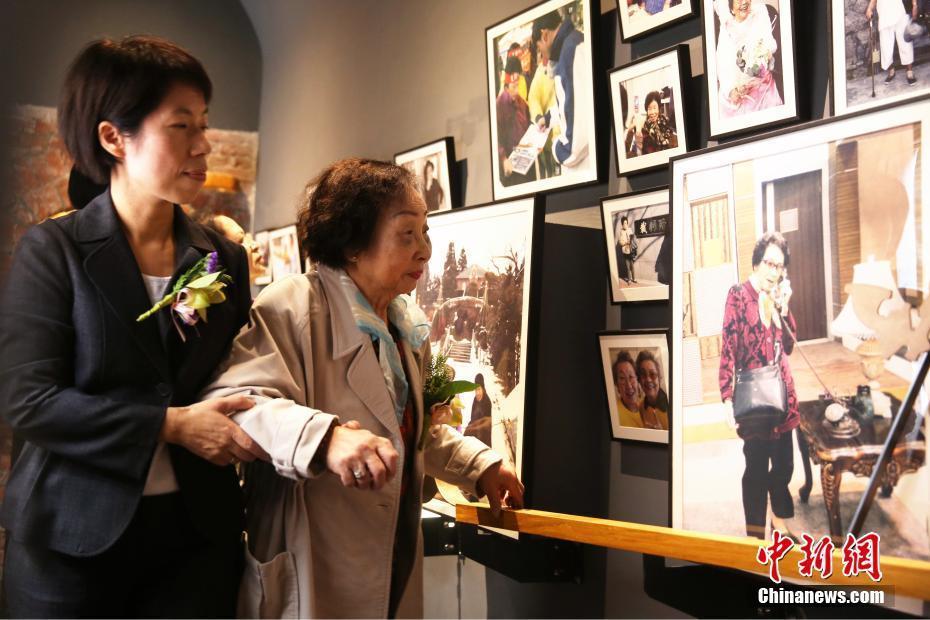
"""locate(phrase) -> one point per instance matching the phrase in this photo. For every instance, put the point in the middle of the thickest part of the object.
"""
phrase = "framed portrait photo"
(477, 291)
(648, 111)
(636, 383)
(541, 99)
(432, 164)
(776, 240)
(638, 242)
(641, 17)
(873, 55)
(284, 252)
(750, 66)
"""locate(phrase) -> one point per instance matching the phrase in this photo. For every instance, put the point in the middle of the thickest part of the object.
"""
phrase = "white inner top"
(161, 478)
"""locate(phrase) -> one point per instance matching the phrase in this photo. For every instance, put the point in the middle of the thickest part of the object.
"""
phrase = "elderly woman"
(629, 392)
(658, 133)
(755, 333)
(745, 58)
(123, 494)
(655, 402)
(334, 360)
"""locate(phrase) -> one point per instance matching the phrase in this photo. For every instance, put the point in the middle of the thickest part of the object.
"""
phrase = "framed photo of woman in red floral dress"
(772, 236)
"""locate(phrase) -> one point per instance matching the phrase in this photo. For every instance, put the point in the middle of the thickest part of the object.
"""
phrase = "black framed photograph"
(750, 65)
(648, 111)
(804, 250)
(541, 99)
(477, 291)
(639, 18)
(433, 165)
(636, 383)
(875, 56)
(638, 242)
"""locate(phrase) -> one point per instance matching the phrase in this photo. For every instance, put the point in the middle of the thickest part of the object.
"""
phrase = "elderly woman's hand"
(360, 458)
(499, 483)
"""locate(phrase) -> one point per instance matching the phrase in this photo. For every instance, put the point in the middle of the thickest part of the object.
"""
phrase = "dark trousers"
(161, 567)
(761, 482)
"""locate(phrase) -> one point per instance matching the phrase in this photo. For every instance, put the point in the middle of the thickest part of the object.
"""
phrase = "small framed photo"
(284, 252)
(432, 164)
(641, 17)
(648, 110)
(636, 383)
(541, 101)
(638, 241)
(873, 59)
(750, 65)
(262, 267)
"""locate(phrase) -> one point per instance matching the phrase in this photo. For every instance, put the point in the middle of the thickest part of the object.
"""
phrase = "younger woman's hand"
(206, 430)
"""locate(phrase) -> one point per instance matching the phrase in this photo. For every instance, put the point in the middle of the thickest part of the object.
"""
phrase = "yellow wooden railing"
(907, 577)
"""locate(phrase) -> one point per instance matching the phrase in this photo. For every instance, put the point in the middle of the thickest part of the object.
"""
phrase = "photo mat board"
(541, 99)
(476, 291)
(650, 229)
(433, 165)
(847, 194)
(648, 110)
(639, 18)
(750, 65)
(637, 387)
(858, 58)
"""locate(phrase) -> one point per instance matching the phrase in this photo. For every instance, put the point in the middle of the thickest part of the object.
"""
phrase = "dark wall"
(39, 38)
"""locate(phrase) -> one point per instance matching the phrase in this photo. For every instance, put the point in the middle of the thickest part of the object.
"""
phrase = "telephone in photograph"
(782, 292)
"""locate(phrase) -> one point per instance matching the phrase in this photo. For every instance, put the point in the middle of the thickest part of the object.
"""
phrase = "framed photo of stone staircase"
(476, 291)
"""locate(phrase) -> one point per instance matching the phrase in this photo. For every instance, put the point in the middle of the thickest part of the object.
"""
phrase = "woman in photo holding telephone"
(757, 332)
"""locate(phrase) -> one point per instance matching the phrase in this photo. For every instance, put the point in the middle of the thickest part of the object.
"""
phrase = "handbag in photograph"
(760, 395)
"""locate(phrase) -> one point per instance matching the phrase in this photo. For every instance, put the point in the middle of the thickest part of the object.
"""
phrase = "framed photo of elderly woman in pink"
(801, 263)
(648, 111)
(432, 164)
(636, 383)
(750, 65)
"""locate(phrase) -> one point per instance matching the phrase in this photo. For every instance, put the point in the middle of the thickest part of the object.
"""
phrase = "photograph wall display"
(432, 165)
(750, 64)
(641, 17)
(648, 111)
(284, 252)
(476, 292)
(541, 99)
(807, 250)
(638, 242)
(878, 56)
(636, 383)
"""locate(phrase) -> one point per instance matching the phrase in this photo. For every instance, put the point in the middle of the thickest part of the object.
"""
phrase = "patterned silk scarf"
(409, 321)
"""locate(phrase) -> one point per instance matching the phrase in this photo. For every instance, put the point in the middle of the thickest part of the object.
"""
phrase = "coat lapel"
(412, 364)
(111, 266)
(364, 374)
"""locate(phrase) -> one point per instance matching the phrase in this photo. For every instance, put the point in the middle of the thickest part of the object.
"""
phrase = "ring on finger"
(359, 472)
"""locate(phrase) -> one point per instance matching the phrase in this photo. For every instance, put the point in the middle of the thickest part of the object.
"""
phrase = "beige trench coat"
(316, 548)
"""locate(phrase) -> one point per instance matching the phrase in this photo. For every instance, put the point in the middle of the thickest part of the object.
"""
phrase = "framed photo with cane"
(874, 60)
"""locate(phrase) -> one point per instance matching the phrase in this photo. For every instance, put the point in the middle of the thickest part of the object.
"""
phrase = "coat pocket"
(269, 589)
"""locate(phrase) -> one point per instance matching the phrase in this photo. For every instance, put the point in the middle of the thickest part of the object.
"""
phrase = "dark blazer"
(85, 387)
